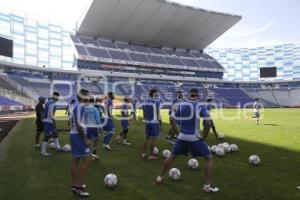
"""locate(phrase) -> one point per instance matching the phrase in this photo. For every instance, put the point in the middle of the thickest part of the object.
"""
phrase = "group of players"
(89, 115)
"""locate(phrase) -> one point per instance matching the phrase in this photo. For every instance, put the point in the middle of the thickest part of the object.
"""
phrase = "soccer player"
(40, 113)
(100, 109)
(151, 112)
(109, 128)
(256, 107)
(50, 125)
(124, 122)
(173, 131)
(189, 139)
(207, 125)
(69, 110)
(80, 144)
(92, 122)
(133, 110)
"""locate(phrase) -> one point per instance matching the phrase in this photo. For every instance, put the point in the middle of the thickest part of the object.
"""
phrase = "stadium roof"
(154, 23)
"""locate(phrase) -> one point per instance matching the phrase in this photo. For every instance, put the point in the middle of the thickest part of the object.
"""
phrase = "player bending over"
(207, 125)
(124, 122)
(189, 139)
(151, 112)
(92, 122)
(40, 113)
(173, 131)
(80, 144)
(50, 125)
(109, 128)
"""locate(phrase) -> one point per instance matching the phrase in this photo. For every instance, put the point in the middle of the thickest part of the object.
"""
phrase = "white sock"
(56, 141)
(44, 147)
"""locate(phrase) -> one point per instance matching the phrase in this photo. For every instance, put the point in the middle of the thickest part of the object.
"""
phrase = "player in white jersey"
(256, 111)
(80, 144)
(50, 124)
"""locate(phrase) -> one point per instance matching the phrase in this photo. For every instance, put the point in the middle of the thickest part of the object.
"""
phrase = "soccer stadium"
(137, 101)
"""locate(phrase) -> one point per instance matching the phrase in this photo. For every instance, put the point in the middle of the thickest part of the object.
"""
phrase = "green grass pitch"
(25, 175)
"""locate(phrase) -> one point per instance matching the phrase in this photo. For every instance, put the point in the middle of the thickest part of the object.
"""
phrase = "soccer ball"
(67, 148)
(220, 151)
(52, 145)
(254, 160)
(193, 164)
(166, 154)
(155, 151)
(226, 147)
(213, 148)
(221, 136)
(175, 174)
(234, 148)
(110, 180)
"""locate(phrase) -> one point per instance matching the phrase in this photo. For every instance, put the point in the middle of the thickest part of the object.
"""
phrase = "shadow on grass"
(31, 177)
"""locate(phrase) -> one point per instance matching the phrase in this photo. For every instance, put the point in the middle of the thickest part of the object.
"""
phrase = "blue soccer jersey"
(50, 108)
(108, 122)
(188, 115)
(151, 110)
(79, 148)
(125, 115)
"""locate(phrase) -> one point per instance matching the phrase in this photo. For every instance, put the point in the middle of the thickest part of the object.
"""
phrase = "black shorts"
(39, 126)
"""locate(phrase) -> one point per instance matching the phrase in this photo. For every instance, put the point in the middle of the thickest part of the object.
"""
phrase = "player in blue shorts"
(50, 125)
(151, 112)
(92, 122)
(124, 122)
(80, 144)
(108, 128)
(189, 139)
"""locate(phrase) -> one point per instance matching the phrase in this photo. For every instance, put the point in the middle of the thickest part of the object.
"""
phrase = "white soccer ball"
(234, 148)
(166, 154)
(221, 136)
(111, 180)
(254, 160)
(155, 151)
(175, 174)
(220, 151)
(227, 148)
(213, 148)
(193, 164)
(67, 148)
(52, 145)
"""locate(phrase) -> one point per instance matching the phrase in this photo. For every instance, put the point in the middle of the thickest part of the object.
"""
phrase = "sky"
(264, 22)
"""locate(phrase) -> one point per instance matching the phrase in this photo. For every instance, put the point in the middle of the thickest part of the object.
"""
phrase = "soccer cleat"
(210, 189)
(171, 142)
(80, 192)
(144, 156)
(125, 142)
(298, 187)
(45, 154)
(106, 146)
(152, 157)
(37, 146)
(95, 157)
(159, 180)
